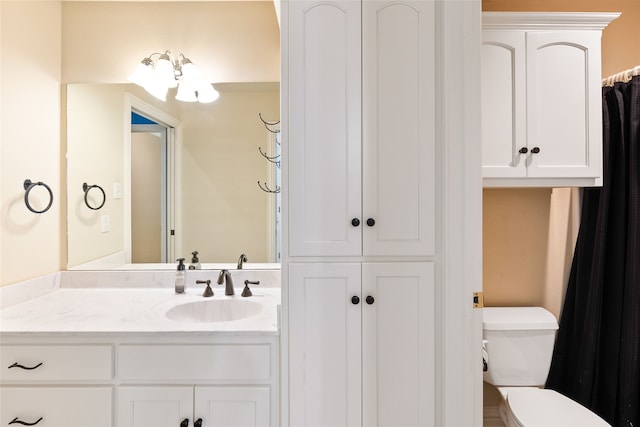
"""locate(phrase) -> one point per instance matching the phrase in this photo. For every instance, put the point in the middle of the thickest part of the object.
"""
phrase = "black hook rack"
(273, 159)
(265, 187)
(268, 124)
(28, 186)
(86, 188)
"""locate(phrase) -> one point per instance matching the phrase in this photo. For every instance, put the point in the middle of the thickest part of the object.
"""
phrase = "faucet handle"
(208, 292)
(246, 292)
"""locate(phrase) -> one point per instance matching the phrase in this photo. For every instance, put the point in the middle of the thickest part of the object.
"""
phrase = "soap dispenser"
(180, 276)
(195, 262)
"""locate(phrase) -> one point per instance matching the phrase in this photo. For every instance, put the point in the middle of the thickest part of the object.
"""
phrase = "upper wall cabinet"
(362, 128)
(541, 99)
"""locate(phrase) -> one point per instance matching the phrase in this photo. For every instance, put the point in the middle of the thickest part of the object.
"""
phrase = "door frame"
(174, 144)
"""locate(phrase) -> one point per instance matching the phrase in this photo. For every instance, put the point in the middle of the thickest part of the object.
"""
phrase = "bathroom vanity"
(122, 357)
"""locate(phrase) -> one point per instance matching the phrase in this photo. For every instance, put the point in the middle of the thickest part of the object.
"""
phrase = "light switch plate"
(104, 223)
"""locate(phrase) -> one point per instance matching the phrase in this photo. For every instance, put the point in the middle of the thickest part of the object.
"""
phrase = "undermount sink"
(222, 310)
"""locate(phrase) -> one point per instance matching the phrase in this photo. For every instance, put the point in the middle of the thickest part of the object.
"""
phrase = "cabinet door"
(398, 327)
(398, 102)
(324, 128)
(504, 126)
(233, 406)
(564, 104)
(154, 406)
(57, 406)
(324, 345)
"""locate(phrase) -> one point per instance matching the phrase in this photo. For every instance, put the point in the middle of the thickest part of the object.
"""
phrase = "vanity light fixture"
(167, 72)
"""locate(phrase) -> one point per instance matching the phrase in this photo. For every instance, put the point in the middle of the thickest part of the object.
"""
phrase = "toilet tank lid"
(517, 318)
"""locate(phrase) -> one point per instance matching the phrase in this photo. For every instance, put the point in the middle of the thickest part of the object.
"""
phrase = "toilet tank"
(519, 345)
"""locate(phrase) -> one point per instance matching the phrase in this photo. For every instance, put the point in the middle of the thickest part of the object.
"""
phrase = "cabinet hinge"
(478, 300)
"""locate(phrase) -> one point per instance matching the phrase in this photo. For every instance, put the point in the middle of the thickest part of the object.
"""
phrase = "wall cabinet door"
(398, 122)
(362, 340)
(362, 135)
(564, 104)
(398, 327)
(504, 107)
(56, 406)
(324, 342)
(324, 127)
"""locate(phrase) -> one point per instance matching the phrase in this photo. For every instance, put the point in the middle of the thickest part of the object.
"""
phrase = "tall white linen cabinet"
(382, 213)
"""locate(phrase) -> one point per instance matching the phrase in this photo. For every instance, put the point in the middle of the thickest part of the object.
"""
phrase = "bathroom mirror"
(213, 164)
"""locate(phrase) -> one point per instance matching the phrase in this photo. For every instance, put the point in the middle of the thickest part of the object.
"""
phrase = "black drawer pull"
(17, 365)
(197, 423)
(17, 421)
(185, 423)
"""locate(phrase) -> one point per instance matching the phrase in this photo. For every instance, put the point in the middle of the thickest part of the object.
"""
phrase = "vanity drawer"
(57, 406)
(31, 363)
(219, 362)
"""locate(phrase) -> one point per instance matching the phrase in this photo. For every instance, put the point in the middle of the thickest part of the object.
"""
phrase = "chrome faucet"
(225, 276)
(241, 261)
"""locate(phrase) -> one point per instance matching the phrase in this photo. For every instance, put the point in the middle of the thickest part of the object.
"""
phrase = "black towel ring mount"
(86, 188)
(28, 186)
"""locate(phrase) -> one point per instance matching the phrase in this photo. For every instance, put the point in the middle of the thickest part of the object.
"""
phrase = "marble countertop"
(130, 310)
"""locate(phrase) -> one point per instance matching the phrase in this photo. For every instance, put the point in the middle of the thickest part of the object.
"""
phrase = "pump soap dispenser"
(180, 276)
(195, 262)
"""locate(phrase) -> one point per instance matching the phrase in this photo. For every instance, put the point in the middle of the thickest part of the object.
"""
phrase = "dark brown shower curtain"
(596, 359)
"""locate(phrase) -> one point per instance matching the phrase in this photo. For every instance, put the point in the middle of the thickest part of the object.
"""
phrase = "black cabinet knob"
(355, 300)
(535, 150)
(523, 150)
(355, 222)
(369, 299)
(197, 423)
(371, 222)
(185, 423)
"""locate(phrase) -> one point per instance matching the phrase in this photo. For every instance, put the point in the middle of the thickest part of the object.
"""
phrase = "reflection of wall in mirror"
(221, 209)
(224, 210)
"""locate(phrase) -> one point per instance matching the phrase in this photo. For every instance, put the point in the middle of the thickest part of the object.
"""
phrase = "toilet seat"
(534, 407)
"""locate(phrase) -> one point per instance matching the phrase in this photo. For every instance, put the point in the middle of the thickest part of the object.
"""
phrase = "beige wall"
(227, 41)
(31, 244)
(221, 167)
(529, 233)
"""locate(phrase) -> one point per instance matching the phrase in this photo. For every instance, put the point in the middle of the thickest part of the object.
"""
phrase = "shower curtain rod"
(622, 76)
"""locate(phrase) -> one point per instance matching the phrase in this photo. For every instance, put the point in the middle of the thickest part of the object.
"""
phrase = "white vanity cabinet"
(364, 335)
(541, 98)
(361, 105)
(56, 385)
(127, 381)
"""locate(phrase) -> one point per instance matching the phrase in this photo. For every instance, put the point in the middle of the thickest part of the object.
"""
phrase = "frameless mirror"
(192, 177)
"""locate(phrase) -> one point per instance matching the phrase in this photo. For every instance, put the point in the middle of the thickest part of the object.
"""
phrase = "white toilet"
(519, 344)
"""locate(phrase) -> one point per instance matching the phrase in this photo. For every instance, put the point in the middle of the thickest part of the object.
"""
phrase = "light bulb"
(206, 92)
(164, 70)
(143, 73)
(186, 92)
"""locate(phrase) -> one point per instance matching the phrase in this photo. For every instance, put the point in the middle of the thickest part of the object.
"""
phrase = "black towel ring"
(86, 187)
(28, 186)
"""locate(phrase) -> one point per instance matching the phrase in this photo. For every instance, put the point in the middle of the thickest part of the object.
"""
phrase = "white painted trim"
(283, 415)
(460, 330)
(547, 21)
